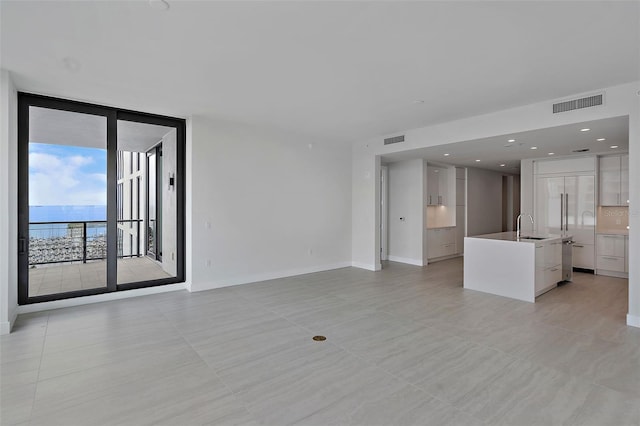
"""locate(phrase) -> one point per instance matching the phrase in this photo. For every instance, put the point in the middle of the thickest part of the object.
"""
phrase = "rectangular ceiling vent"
(588, 102)
(395, 139)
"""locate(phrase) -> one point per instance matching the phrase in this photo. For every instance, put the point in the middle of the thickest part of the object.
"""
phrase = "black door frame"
(26, 100)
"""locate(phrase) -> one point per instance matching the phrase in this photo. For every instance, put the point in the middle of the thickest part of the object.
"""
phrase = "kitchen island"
(520, 268)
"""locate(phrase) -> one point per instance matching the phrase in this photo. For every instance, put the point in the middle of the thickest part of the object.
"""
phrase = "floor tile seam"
(215, 372)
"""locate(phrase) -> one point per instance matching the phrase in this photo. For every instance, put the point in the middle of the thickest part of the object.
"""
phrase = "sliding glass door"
(94, 211)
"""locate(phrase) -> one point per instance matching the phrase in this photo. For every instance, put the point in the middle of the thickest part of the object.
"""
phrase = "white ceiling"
(71, 128)
(335, 70)
(494, 151)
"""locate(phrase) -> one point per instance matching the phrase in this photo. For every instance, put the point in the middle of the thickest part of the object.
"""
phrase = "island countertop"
(525, 237)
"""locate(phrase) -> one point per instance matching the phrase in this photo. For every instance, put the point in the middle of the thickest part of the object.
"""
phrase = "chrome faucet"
(518, 221)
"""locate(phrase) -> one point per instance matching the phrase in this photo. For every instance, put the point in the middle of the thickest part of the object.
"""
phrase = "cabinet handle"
(610, 258)
(554, 269)
(578, 246)
(566, 212)
(561, 211)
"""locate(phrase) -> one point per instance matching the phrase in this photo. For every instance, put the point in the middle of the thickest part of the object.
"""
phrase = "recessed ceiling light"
(446, 155)
(502, 165)
(613, 146)
(477, 161)
(585, 130)
(159, 4)
(511, 140)
(552, 153)
(601, 139)
(534, 147)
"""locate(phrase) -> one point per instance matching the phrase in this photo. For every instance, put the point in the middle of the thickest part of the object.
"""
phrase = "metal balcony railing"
(75, 241)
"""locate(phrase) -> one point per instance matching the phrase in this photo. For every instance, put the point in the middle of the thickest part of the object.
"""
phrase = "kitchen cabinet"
(438, 185)
(626, 254)
(441, 242)
(614, 180)
(548, 265)
(612, 254)
(565, 205)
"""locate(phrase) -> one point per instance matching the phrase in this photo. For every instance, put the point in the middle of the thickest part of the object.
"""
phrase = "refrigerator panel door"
(548, 211)
(580, 208)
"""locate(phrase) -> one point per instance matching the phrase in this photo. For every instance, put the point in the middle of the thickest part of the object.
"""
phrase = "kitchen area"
(524, 211)
(578, 221)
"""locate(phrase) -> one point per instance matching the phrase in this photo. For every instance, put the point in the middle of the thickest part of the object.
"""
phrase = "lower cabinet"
(611, 256)
(548, 266)
(441, 242)
(583, 256)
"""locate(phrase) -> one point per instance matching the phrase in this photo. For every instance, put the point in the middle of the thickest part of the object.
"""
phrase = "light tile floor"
(60, 278)
(405, 346)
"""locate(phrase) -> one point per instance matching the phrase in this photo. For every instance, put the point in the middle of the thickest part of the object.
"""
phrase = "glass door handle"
(22, 245)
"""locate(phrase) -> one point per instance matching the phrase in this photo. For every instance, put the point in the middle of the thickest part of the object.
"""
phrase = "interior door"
(549, 209)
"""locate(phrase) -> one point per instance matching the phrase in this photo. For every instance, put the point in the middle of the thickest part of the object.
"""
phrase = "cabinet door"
(433, 185)
(580, 220)
(626, 254)
(548, 210)
(583, 256)
(611, 245)
(553, 254)
(610, 263)
(610, 181)
(434, 243)
(624, 180)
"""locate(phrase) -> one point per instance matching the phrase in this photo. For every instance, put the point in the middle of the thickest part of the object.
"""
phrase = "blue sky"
(67, 175)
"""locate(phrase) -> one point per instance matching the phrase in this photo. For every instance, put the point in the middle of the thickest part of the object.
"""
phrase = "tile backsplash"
(613, 218)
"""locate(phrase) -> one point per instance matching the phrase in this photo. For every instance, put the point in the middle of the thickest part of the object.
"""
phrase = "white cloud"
(58, 180)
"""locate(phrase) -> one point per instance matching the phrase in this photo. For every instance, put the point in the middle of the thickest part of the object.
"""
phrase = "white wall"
(265, 204)
(406, 188)
(620, 100)
(8, 203)
(484, 202)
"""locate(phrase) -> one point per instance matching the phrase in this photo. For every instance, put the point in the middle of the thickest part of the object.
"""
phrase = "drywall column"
(169, 204)
(9, 203)
(633, 315)
(406, 211)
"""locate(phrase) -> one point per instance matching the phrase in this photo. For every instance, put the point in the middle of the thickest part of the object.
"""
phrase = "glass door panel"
(67, 202)
(147, 209)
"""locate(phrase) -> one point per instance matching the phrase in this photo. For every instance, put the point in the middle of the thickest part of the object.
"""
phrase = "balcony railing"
(80, 241)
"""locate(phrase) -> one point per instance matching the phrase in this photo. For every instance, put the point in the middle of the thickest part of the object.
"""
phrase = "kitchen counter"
(527, 237)
(504, 265)
(613, 231)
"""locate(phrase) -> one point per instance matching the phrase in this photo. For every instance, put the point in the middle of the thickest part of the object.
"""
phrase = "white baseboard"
(86, 300)
(247, 279)
(367, 266)
(633, 321)
(417, 262)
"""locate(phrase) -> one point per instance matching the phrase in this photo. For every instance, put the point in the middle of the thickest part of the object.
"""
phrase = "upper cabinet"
(439, 181)
(614, 180)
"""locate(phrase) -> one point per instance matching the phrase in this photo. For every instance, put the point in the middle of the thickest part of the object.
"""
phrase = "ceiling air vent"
(581, 150)
(587, 102)
(395, 139)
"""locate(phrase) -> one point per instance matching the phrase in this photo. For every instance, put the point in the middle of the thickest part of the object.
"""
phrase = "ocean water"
(65, 214)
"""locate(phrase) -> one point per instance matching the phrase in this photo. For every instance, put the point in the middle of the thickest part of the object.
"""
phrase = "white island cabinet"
(520, 269)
